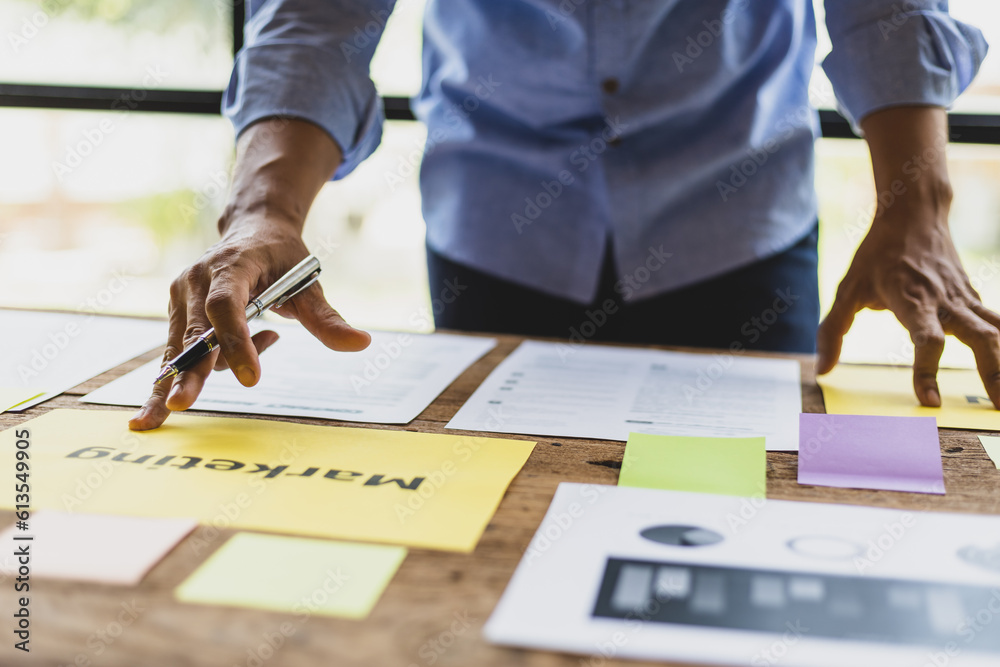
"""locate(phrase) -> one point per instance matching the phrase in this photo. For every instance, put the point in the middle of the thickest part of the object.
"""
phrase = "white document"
(390, 382)
(602, 392)
(53, 352)
(664, 575)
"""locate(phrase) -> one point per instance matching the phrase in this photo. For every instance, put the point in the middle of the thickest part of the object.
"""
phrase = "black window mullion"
(239, 18)
(963, 128)
(140, 99)
(110, 99)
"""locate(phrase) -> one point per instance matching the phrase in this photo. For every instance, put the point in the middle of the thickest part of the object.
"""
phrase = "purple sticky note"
(866, 452)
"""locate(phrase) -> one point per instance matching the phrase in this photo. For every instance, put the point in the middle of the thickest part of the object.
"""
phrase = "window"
(185, 44)
(116, 195)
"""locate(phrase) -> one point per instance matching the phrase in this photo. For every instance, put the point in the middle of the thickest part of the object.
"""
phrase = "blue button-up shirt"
(678, 130)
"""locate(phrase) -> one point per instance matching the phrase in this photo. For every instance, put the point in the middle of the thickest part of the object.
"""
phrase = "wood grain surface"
(433, 611)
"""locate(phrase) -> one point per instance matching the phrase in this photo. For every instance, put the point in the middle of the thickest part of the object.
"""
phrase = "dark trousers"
(769, 305)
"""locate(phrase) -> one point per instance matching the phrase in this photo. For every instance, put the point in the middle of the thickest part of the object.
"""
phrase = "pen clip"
(298, 288)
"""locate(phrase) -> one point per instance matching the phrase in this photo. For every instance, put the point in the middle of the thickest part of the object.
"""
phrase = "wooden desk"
(433, 610)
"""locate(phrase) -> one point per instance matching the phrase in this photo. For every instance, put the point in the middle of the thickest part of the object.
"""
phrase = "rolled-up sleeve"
(309, 59)
(898, 52)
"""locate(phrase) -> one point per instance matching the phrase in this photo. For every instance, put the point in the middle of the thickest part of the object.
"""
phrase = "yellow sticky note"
(294, 575)
(991, 444)
(888, 391)
(11, 397)
(379, 485)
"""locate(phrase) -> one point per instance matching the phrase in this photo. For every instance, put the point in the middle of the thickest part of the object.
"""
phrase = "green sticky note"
(11, 397)
(991, 444)
(728, 466)
(294, 575)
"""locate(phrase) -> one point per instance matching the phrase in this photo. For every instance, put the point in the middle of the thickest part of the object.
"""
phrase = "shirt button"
(610, 86)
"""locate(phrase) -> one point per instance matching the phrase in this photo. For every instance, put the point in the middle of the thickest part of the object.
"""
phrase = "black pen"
(301, 276)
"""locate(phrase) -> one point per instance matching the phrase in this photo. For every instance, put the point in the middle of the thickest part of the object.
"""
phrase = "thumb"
(325, 323)
(830, 336)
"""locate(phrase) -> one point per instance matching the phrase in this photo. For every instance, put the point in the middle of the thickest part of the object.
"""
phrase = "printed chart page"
(703, 578)
(47, 353)
(390, 382)
(557, 389)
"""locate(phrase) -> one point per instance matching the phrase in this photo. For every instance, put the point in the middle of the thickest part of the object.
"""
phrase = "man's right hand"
(281, 165)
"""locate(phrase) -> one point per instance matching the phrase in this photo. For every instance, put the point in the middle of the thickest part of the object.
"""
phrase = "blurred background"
(99, 210)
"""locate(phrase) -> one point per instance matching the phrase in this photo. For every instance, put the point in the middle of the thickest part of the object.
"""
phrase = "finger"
(188, 384)
(225, 307)
(927, 335)
(833, 328)
(986, 314)
(984, 338)
(261, 341)
(917, 310)
(287, 311)
(154, 411)
(326, 324)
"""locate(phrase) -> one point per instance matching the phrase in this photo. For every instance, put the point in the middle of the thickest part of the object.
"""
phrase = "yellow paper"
(11, 397)
(294, 575)
(417, 489)
(888, 391)
(991, 444)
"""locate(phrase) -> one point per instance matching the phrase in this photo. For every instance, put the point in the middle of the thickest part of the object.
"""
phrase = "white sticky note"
(92, 547)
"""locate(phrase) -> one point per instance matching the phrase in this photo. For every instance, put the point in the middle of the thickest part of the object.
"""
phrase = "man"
(654, 156)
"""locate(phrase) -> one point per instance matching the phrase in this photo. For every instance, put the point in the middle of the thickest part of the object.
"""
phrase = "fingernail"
(174, 391)
(139, 415)
(246, 375)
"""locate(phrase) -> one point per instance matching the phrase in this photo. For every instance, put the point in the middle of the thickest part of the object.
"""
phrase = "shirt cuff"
(304, 82)
(916, 58)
